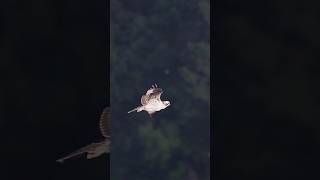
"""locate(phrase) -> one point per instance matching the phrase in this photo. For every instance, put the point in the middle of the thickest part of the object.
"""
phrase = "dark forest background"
(163, 42)
(266, 85)
(55, 82)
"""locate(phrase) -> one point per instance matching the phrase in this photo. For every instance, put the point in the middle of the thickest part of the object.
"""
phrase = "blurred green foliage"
(163, 42)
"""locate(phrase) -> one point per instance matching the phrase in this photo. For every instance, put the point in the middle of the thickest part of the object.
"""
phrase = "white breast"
(154, 105)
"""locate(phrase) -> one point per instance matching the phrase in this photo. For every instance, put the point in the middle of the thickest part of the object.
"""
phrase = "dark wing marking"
(151, 90)
(105, 122)
(155, 94)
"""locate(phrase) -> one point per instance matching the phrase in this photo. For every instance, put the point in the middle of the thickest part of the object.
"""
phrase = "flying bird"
(96, 149)
(151, 101)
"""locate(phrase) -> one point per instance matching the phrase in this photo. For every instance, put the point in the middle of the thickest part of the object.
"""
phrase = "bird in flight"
(96, 149)
(151, 101)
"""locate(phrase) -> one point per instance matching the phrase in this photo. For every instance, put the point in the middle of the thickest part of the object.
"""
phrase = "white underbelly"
(154, 106)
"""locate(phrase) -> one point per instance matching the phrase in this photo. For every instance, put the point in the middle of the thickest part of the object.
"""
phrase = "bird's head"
(166, 103)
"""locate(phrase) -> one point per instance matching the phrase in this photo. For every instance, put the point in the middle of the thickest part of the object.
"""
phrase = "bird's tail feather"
(138, 109)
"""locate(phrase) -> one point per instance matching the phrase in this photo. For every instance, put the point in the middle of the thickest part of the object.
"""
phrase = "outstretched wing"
(152, 89)
(87, 149)
(105, 122)
(153, 93)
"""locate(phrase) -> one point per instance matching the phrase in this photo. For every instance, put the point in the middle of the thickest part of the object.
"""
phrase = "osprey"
(151, 101)
(96, 149)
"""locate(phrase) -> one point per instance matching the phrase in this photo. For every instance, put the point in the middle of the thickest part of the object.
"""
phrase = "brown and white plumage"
(105, 122)
(151, 101)
(96, 149)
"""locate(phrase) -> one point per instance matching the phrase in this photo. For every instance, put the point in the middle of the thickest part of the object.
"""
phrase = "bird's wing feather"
(105, 122)
(151, 90)
(80, 151)
(144, 100)
(155, 94)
